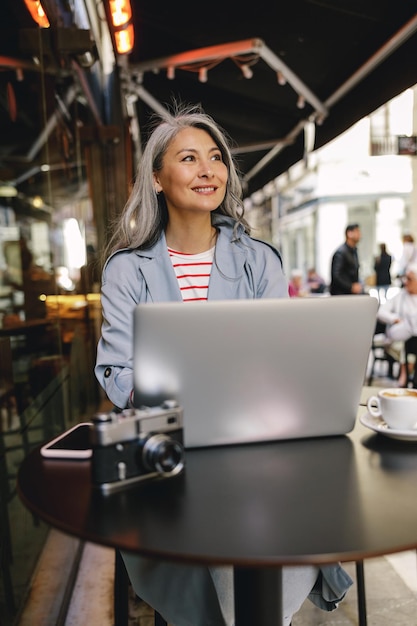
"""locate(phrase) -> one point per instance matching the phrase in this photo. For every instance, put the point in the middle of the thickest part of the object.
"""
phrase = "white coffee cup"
(397, 407)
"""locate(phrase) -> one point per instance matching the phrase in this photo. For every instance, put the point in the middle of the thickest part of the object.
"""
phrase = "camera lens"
(163, 455)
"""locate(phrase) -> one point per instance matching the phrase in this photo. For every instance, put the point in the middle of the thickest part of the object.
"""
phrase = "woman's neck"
(190, 238)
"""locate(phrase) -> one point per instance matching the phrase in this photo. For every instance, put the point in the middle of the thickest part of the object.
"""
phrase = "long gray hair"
(145, 214)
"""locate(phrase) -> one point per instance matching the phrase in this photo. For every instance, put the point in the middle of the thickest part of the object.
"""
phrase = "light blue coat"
(243, 268)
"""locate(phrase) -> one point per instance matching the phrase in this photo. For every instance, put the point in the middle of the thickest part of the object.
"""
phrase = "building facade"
(359, 177)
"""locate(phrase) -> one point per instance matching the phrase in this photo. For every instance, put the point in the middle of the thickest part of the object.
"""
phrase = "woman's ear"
(157, 186)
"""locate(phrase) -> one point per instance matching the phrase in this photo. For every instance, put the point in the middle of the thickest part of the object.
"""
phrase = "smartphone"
(72, 444)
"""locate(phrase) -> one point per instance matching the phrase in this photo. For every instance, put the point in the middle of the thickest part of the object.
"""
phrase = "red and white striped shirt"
(193, 273)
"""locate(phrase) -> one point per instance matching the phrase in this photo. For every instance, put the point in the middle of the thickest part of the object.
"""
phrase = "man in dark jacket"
(345, 265)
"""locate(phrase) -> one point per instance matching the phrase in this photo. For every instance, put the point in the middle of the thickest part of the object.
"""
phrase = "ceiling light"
(246, 71)
(7, 191)
(309, 136)
(301, 102)
(121, 12)
(35, 8)
(202, 74)
(124, 39)
(281, 78)
(121, 17)
(37, 202)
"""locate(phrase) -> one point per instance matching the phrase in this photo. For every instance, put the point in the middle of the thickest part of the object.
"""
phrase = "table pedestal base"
(258, 596)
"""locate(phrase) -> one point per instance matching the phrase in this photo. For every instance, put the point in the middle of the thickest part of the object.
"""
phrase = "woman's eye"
(191, 157)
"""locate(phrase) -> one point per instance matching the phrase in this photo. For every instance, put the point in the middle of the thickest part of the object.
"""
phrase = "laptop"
(249, 371)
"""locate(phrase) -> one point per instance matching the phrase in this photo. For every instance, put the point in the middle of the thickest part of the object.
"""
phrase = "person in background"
(182, 237)
(296, 287)
(409, 254)
(382, 267)
(89, 275)
(345, 264)
(400, 316)
(315, 283)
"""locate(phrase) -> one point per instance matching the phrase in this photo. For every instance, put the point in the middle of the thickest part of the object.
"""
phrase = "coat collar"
(228, 267)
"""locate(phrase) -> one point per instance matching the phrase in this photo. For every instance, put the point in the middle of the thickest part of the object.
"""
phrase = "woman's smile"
(205, 190)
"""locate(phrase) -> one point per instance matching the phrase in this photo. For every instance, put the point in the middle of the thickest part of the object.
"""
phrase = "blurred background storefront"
(65, 168)
(363, 176)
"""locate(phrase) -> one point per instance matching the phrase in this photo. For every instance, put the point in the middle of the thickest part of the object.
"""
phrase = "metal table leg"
(360, 582)
(121, 592)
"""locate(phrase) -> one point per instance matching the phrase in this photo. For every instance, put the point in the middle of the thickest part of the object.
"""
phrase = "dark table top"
(307, 501)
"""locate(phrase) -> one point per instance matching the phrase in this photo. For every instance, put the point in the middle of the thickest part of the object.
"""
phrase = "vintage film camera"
(136, 444)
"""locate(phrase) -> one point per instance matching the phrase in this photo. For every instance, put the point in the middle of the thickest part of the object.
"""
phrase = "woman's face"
(193, 176)
(411, 283)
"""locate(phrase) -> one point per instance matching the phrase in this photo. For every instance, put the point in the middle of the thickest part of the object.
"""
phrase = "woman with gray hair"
(146, 213)
(183, 237)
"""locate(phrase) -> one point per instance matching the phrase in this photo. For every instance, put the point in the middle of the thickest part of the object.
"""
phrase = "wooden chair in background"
(411, 351)
(6, 493)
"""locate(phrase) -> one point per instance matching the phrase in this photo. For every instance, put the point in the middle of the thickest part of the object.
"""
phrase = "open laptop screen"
(255, 370)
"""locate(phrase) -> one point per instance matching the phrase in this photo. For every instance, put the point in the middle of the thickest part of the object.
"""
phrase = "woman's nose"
(206, 170)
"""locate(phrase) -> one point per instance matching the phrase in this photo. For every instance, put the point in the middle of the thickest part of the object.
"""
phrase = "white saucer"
(379, 426)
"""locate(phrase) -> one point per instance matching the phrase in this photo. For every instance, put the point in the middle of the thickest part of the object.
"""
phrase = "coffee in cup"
(397, 407)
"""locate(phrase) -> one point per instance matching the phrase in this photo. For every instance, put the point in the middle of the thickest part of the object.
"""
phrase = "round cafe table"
(256, 507)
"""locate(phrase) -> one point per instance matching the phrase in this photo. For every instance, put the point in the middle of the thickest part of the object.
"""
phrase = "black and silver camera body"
(136, 444)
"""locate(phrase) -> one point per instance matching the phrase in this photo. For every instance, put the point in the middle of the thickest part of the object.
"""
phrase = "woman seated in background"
(315, 283)
(296, 286)
(400, 315)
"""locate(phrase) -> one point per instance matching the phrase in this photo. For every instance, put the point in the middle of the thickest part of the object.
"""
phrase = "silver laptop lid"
(255, 370)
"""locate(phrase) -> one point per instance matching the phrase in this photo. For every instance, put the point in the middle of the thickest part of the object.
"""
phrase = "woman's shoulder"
(260, 246)
(118, 258)
(132, 256)
(124, 262)
(240, 236)
(256, 252)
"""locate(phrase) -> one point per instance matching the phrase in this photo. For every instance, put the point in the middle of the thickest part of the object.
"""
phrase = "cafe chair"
(379, 355)
(6, 555)
(410, 347)
(7, 398)
(12, 421)
(6, 381)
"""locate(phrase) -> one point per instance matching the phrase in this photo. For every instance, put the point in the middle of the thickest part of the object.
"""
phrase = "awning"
(268, 72)
(280, 77)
